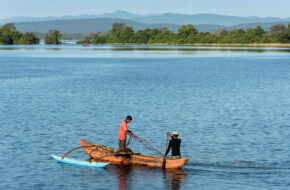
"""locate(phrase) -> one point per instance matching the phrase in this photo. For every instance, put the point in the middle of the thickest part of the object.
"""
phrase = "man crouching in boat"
(123, 131)
(174, 143)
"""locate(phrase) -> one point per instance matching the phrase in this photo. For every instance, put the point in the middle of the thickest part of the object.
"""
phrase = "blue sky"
(42, 8)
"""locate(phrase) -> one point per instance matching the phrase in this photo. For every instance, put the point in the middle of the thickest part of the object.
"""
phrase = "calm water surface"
(227, 103)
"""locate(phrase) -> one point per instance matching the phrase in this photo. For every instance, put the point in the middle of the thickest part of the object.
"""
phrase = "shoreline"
(203, 45)
(278, 45)
(243, 45)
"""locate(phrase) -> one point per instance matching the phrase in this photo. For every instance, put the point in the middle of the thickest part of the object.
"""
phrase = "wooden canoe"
(106, 154)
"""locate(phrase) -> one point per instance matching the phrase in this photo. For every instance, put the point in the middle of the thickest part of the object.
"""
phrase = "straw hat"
(175, 133)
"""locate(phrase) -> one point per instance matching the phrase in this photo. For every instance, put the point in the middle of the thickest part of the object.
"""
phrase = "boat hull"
(109, 155)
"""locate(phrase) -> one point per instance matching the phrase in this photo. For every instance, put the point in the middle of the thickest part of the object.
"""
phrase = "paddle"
(164, 159)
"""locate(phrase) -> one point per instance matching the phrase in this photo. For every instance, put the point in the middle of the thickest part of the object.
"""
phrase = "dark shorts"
(122, 144)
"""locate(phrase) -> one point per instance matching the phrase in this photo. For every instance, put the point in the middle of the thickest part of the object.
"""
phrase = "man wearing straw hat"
(174, 144)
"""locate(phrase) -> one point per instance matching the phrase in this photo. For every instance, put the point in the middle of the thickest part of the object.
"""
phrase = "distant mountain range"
(103, 22)
(116, 14)
(85, 25)
(168, 18)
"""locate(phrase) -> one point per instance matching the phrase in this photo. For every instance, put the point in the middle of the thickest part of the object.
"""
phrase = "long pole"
(164, 159)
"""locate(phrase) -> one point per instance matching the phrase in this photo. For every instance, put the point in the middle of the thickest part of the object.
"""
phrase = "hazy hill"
(167, 18)
(105, 24)
(206, 19)
(266, 26)
(116, 14)
(85, 25)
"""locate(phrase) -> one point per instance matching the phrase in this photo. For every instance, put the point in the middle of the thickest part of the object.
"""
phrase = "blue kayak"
(80, 162)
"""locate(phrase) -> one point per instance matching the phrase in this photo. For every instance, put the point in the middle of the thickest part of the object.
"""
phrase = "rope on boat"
(129, 142)
(125, 154)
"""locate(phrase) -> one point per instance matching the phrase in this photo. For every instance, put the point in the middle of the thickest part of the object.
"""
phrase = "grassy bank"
(206, 45)
(243, 45)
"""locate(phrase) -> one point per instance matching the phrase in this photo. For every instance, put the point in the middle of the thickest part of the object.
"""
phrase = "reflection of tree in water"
(173, 178)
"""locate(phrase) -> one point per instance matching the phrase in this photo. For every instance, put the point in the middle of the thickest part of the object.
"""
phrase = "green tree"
(259, 31)
(208, 38)
(187, 34)
(140, 37)
(152, 33)
(267, 38)
(168, 36)
(99, 39)
(254, 35)
(9, 34)
(237, 36)
(9, 27)
(6, 38)
(126, 35)
(117, 29)
(278, 34)
(278, 27)
(220, 35)
(53, 37)
(29, 38)
(159, 38)
(288, 33)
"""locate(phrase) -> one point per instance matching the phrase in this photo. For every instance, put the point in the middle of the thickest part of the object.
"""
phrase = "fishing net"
(148, 146)
(130, 142)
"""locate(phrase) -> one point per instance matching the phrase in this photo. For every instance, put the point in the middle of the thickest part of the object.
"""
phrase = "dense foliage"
(53, 37)
(188, 34)
(9, 35)
(64, 36)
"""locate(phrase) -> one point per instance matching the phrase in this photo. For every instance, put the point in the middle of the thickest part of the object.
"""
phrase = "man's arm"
(130, 133)
(168, 134)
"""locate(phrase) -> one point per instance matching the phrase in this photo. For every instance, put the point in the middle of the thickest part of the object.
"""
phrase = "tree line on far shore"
(187, 34)
(9, 35)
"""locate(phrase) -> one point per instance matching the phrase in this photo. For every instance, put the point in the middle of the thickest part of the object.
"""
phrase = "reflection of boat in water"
(128, 176)
(123, 175)
(174, 178)
(106, 154)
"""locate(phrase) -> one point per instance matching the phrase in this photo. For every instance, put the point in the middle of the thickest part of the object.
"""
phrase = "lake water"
(227, 104)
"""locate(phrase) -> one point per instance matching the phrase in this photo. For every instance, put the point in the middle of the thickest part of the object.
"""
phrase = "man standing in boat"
(123, 131)
(174, 144)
